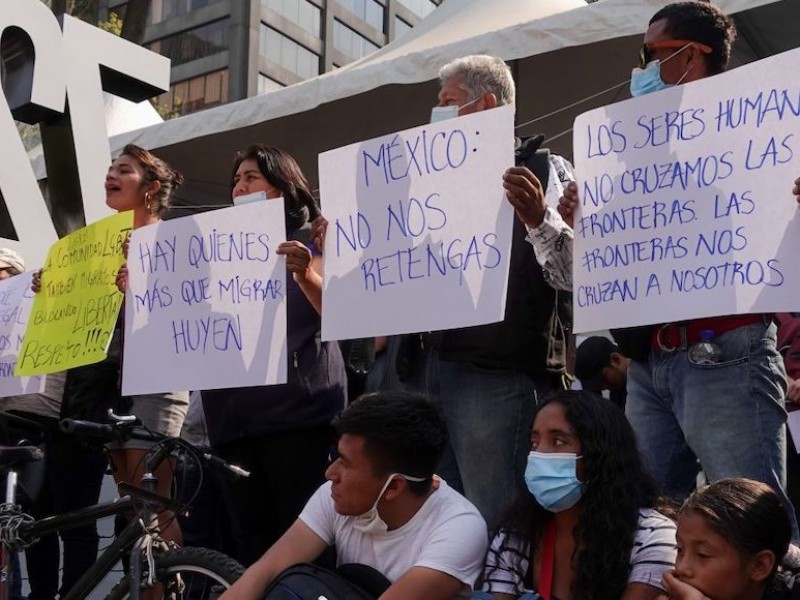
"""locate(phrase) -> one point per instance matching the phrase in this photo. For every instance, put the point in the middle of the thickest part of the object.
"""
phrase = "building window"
(194, 43)
(161, 10)
(267, 84)
(350, 43)
(421, 8)
(369, 11)
(191, 95)
(300, 12)
(287, 53)
(400, 27)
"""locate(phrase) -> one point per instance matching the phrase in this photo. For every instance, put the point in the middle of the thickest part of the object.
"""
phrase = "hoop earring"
(147, 201)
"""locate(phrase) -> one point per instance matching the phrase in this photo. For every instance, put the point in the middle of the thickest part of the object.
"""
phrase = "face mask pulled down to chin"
(371, 522)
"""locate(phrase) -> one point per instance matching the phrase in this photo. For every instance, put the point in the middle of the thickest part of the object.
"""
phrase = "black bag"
(310, 582)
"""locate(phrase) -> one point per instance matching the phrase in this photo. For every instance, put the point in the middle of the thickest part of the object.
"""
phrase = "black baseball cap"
(590, 358)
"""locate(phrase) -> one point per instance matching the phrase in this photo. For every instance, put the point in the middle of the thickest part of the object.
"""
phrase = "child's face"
(709, 563)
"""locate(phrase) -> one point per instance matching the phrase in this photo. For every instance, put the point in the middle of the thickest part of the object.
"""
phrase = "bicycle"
(196, 573)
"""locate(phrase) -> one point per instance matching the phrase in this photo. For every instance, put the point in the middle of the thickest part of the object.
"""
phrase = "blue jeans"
(729, 415)
(488, 414)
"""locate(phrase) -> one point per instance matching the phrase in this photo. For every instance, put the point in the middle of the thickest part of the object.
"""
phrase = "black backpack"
(310, 582)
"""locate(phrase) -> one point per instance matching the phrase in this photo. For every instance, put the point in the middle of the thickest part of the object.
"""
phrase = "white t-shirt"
(447, 534)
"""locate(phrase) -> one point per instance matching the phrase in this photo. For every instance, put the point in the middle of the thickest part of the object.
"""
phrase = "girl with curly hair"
(588, 529)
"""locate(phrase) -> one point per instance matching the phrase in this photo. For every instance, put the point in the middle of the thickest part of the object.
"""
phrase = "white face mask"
(370, 522)
(443, 113)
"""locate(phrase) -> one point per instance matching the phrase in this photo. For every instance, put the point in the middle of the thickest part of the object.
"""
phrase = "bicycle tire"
(205, 575)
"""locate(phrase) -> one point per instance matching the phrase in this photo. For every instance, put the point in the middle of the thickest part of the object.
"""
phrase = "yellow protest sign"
(74, 314)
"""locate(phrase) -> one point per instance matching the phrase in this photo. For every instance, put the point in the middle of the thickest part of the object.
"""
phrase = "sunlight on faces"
(125, 184)
(709, 563)
(355, 484)
(677, 66)
(249, 179)
(553, 433)
(452, 93)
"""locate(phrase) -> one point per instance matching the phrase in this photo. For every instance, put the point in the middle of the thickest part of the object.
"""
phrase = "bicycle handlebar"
(107, 432)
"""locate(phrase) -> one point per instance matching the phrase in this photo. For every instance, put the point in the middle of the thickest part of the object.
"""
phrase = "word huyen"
(430, 260)
(421, 155)
(228, 247)
(756, 110)
(644, 217)
(209, 333)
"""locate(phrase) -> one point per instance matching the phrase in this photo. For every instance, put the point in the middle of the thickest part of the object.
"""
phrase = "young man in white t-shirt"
(383, 507)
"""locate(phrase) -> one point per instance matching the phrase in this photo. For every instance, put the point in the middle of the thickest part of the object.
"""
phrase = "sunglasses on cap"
(646, 52)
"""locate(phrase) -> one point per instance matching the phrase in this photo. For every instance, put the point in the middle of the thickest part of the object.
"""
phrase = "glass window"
(350, 43)
(400, 27)
(194, 43)
(191, 95)
(287, 53)
(369, 11)
(161, 10)
(301, 12)
(421, 8)
(267, 84)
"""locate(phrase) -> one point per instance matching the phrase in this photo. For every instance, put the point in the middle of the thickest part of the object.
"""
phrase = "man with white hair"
(486, 379)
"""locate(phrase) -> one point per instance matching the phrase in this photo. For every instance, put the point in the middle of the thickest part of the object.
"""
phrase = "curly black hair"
(701, 21)
(616, 487)
(281, 170)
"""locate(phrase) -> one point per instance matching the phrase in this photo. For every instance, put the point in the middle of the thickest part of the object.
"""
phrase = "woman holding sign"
(281, 433)
(140, 182)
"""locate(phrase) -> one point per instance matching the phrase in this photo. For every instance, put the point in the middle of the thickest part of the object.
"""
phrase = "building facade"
(226, 50)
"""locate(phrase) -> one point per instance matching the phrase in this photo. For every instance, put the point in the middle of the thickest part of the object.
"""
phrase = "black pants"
(73, 479)
(285, 468)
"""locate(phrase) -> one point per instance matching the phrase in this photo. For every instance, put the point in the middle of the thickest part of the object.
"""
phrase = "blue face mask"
(551, 478)
(647, 80)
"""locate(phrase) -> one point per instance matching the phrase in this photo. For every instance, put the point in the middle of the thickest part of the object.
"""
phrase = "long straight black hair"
(282, 171)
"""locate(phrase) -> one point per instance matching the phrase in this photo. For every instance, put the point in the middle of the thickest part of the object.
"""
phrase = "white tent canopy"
(562, 51)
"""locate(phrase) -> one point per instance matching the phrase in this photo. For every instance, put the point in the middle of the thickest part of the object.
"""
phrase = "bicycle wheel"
(189, 574)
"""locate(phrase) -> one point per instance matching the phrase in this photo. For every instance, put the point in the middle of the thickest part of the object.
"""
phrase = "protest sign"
(419, 230)
(16, 299)
(74, 314)
(686, 200)
(206, 302)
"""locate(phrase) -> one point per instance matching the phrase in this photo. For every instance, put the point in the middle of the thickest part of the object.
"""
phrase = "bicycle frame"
(130, 538)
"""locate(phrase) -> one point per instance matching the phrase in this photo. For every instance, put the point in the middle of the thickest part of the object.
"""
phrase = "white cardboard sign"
(419, 232)
(686, 200)
(205, 306)
(16, 300)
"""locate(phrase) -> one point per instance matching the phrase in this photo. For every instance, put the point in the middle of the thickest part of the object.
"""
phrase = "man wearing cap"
(600, 365)
(11, 263)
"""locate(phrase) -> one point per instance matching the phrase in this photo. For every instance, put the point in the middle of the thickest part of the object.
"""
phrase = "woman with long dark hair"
(281, 433)
(587, 529)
